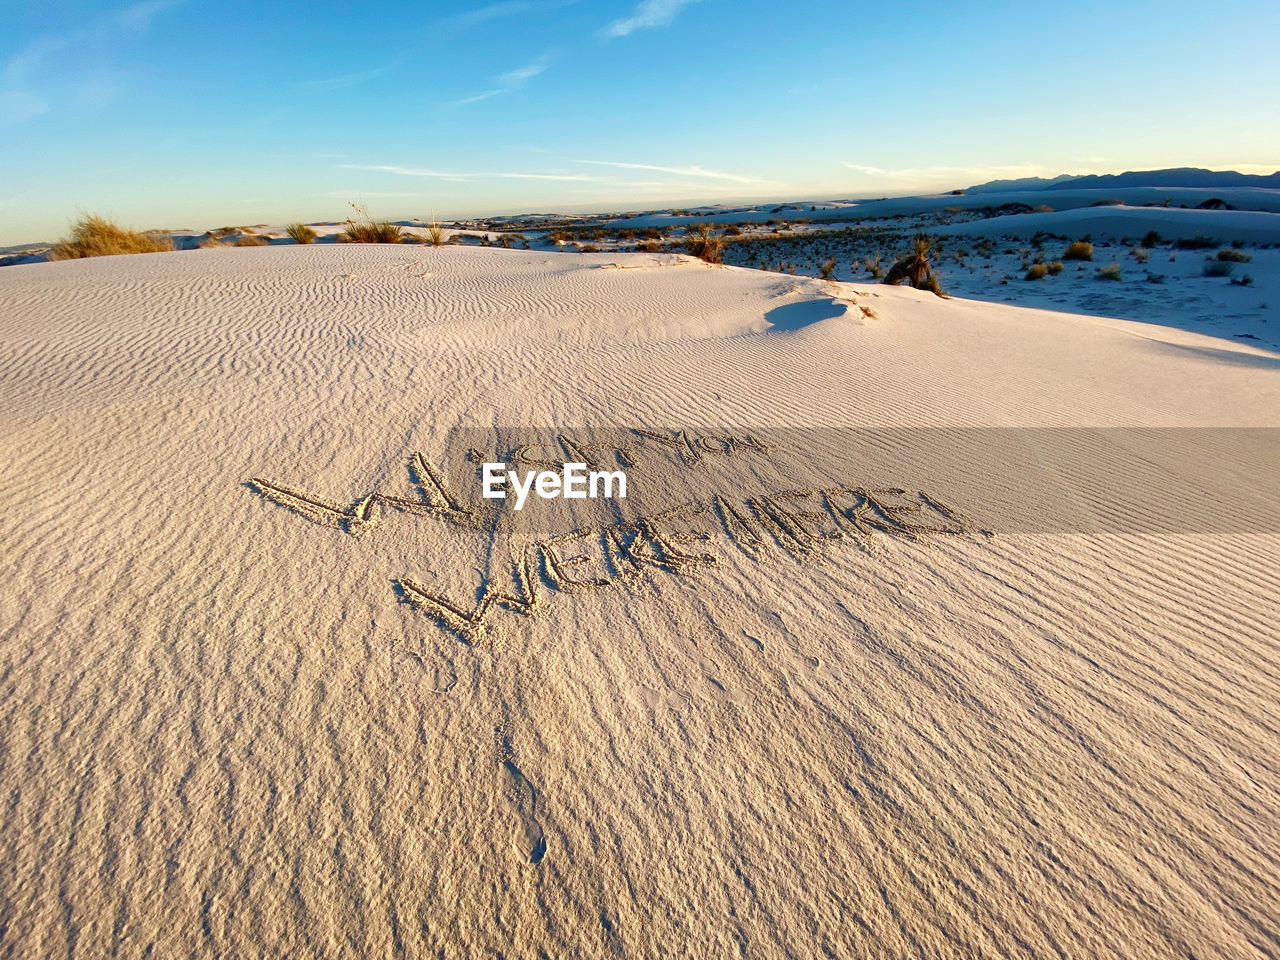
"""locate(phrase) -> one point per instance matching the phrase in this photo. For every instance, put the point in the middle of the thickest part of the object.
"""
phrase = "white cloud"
(693, 171)
(973, 174)
(138, 17)
(22, 69)
(463, 177)
(649, 13)
(17, 105)
(501, 11)
(510, 81)
(325, 84)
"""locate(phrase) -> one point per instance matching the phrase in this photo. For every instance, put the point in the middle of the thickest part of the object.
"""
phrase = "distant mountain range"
(1173, 177)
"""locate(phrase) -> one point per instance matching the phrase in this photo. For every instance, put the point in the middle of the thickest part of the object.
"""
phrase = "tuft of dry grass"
(252, 240)
(1037, 271)
(435, 233)
(705, 243)
(301, 233)
(1080, 250)
(1110, 272)
(367, 230)
(96, 236)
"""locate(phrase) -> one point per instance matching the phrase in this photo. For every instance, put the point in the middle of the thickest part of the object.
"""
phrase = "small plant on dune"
(1234, 256)
(1140, 254)
(1218, 268)
(915, 267)
(365, 229)
(1080, 250)
(827, 269)
(1150, 239)
(1056, 267)
(1037, 271)
(209, 240)
(251, 240)
(1198, 242)
(95, 236)
(872, 263)
(301, 233)
(435, 233)
(705, 243)
(1110, 272)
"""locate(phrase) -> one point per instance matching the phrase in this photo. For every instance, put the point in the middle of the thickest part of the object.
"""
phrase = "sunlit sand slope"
(256, 703)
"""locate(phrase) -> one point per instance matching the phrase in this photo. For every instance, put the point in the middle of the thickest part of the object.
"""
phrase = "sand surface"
(236, 723)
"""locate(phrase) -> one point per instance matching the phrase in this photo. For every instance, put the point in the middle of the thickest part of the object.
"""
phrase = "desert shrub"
(588, 248)
(1043, 208)
(301, 233)
(827, 270)
(651, 233)
(558, 236)
(872, 263)
(1056, 267)
(915, 267)
(1080, 250)
(95, 236)
(1218, 268)
(1150, 239)
(1198, 242)
(733, 230)
(705, 243)
(1234, 256)
(1110, 272)
(1140, 254)
(364, 229)
(210, 239)
(1037, 271)
(251, 240)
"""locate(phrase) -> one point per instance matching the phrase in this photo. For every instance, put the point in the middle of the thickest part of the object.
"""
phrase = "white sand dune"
(228, 730)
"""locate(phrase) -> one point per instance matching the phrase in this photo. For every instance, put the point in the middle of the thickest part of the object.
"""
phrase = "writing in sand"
(686, 539)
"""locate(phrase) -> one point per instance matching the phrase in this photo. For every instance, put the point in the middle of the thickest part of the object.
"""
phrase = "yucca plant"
(301, 233)
(705, 243)
(365, 229)
(915, 267)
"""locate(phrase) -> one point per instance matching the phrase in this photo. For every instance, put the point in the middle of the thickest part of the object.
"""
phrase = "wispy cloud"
(326, 84)
(463, 177)
(18, 105)
(649, 13)
(23, 69)
(693, 171)
(500, 11)
(138, 17)
(510, 81)
(929, 174)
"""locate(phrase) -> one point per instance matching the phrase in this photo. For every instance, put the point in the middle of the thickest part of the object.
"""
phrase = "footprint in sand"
(440, 675)
(719, 690)
(522, 800)
(651, 699)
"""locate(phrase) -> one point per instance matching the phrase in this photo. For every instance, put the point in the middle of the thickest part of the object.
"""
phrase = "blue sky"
(194, 113)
